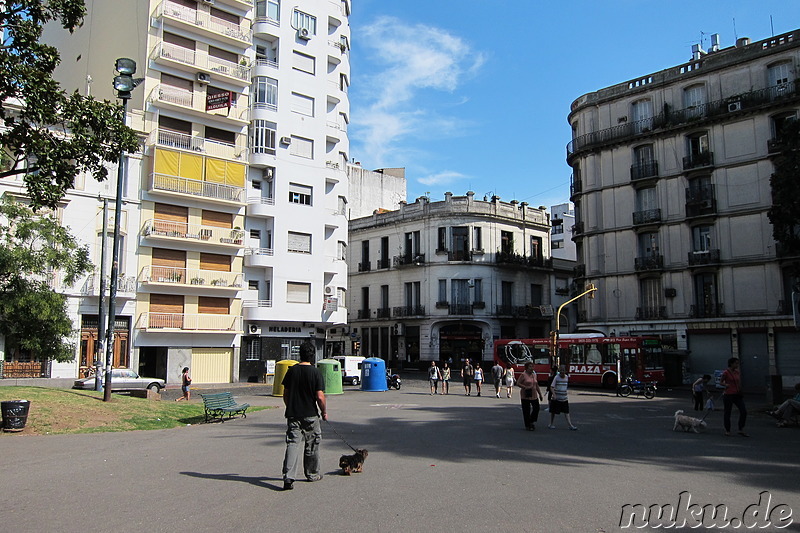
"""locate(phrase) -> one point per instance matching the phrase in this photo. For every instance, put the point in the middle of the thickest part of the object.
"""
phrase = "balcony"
(459, 309)
(524, 261)
(177, 186)
(775, 146)
(190, 60)
(126, 286)
(706, 310)
(382, 264)
(700, 201)
(409, 259)
(698, 161)
(384, 312)
(261, 206)
(180, 322)
(649, 216)
(578, 229)
(196, 104)
(204, 23)
(459, 255)
(211, 279)
(257, 310)
(180, 231)
(408, 311)
(575, 184)
(704, 257)
(259, 258)
(190, 143)
(644, 170)
(651, 313)
(579, 271)
(364, 314)
(364, 266)
(649, 262)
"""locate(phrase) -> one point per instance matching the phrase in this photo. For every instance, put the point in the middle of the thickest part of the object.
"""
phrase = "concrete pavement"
(436, 463)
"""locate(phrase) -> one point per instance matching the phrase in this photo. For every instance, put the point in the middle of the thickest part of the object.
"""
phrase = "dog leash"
(337, 434)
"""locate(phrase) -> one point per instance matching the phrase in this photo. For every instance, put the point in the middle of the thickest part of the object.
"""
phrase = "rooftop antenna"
(771, 27)
(735, 35)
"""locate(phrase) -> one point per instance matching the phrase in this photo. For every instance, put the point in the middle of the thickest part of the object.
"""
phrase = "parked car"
(123, 380)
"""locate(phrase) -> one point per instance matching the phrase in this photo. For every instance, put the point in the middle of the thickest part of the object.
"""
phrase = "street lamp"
(124, 83)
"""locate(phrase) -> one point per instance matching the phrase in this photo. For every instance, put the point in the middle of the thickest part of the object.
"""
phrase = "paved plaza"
(436, 463)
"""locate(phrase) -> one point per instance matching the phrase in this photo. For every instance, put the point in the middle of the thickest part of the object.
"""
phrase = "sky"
(473, 95)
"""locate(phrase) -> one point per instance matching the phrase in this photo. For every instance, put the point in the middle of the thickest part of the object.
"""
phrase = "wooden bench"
(219, 404)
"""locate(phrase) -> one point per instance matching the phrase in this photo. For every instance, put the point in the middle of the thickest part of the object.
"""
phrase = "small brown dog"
(353, 463)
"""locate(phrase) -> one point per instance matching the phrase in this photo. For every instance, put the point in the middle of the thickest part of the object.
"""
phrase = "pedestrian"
(559, 403)
(732, 381)
(478, 378)
(508, 378)
(304, 398)
(788, 409)
(186, 380)
(698, 391)
(446, 379)
(467, 373)
(497, 378)
(433, 377)
(530, 396)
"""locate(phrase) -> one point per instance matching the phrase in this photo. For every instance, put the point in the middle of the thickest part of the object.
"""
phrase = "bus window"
(576, 356)
(652, 358)
(541, 354)
(593, 356)
(611, 354)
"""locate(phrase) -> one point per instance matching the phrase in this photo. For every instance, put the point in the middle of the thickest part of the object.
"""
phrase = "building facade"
(441, 280)
(671, 185)
(234, 228)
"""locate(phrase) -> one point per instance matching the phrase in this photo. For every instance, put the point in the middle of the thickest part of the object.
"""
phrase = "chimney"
(742, 42)
(697, 52)
(448, 197)
(715, 42)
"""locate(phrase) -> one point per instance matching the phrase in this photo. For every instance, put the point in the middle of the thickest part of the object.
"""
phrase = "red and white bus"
(590, 358)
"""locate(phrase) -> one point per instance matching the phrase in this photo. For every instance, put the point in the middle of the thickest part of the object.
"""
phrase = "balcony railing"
(648, 216)
(202, 19)
(649, 262)
(409, 310)
(184, 276)
(575, 184)
(364, 266)
(364, 314)
(155, 228)
(181, 97)
(706, 310)
(460, 309)
(409, 259)
(205, 189)
(459, 255)
(578, 229)
(691, 115)
(532, 261)
(700, 201)
(644, 170)
(190, 143)
(190, 322)
(705, 257)
(201, 61)
(698, 160)
(125, 284)
(384, 312)
(649, 313)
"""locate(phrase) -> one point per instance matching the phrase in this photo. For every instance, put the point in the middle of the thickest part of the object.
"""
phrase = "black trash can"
(15, 414)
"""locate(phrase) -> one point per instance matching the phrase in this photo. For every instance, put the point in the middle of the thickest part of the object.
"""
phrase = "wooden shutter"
(169, 258)
(208, 305)
(217, 219)
(216, 262)
(172, 213)
(166, 303)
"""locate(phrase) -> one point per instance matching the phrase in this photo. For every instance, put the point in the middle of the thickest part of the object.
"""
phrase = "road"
(436, 463)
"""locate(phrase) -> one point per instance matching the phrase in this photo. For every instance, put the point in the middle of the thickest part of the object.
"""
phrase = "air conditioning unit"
(286, 140)
(328, 290)
(304, 34)
(734, 106)
(202, 77)
(254, 329)
(268, 173)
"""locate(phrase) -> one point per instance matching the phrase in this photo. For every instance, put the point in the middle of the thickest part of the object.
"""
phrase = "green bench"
(219, 404)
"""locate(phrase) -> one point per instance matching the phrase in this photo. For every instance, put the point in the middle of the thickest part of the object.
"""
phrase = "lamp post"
(124, 83)
(554, 359)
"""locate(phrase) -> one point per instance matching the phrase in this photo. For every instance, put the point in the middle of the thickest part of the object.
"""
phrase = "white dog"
(687, 423)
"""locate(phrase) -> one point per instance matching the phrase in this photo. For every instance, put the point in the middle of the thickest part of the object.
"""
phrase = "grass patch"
(56, 411)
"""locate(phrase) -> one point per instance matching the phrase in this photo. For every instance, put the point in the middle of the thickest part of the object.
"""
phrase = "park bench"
(219, 404)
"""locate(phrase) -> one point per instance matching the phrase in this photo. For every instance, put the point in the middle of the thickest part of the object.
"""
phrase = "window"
(507, 293)
(299, 242)
(460, 242)
(302, 20)
(648, 245)
(266, 93)
(302, 147)
(477, 239)
(364, 302)
(701, 239)
(304, 63)
(705, 287)
(459, 289)
(642, 114)
(253, 347)
(252, 284)
(412, 245)
(536, 247)
(413, 292)
(536, 294)
(255, 234)
(298, 293)
(646, 199)
(779, 122)
(694, 99)
(506, 242)
(778, 74)
(558, 229)
(385, 297)
(442, 291)
(302, 104)
(267, 55)
(477, 290)
(441, 241)
(270, 9)
(300, 194)
(651, 298)
(698, 144)
(644, 162)
(256, 185)
(341, 250)
(557, 244)
(263, 139)
(365, 254)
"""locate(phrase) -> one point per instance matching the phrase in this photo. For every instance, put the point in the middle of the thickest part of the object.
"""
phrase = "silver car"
(123, 379)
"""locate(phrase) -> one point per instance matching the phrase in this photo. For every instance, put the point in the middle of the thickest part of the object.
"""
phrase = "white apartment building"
(562, 216)
(671, 185)
(442, 280)
(234, 220)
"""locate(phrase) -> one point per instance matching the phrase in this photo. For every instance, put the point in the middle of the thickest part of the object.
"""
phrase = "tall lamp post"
(554, 359)
(124, 84)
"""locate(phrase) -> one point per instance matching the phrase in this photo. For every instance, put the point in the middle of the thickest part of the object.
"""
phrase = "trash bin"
(15, 414)
(280, 372)
(373, 375)
(332, 374)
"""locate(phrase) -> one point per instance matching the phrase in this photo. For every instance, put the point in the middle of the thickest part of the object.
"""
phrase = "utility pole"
(101, 314)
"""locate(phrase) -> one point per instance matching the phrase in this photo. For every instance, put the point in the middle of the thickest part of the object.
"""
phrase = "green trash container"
(280, 372)
(332, 374)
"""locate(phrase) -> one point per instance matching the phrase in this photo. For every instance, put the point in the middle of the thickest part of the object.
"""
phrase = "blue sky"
(474, 94)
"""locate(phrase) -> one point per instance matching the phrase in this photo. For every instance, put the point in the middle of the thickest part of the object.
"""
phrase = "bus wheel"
(609, 381)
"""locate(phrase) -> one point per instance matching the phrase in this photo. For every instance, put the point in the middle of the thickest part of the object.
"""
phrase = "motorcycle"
(648, 390)
(392, 381)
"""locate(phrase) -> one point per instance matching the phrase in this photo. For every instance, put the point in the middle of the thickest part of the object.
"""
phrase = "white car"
(123, 379)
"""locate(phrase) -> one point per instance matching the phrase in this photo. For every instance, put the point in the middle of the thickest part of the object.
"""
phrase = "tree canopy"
(47, 135)
(34, 249)
(785, 181)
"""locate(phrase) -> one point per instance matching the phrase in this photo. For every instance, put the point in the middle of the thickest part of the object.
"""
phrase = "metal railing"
(182, 230)
(649, 262)
(191, 143)
(184, 276)
(190, 322)
(206, 189)
(202, 19)
(647, 216)
(200, 60)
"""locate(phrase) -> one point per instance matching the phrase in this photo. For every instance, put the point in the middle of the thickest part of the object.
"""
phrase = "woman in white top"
(478, 378)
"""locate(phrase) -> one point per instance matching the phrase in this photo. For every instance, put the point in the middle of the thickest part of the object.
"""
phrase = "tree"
(47, 135)
(784, 214)
(34, 247)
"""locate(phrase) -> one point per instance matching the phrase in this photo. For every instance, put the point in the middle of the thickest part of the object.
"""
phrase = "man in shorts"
(559, 402)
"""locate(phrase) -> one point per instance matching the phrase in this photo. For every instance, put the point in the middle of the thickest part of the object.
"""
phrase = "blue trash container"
(373, 375)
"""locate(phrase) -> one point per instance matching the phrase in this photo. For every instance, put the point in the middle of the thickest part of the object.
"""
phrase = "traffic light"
(124, 83)
(592, 289)
(356, 347)
(553, 347)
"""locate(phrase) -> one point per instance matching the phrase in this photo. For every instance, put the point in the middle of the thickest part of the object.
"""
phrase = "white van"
(351, 368)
